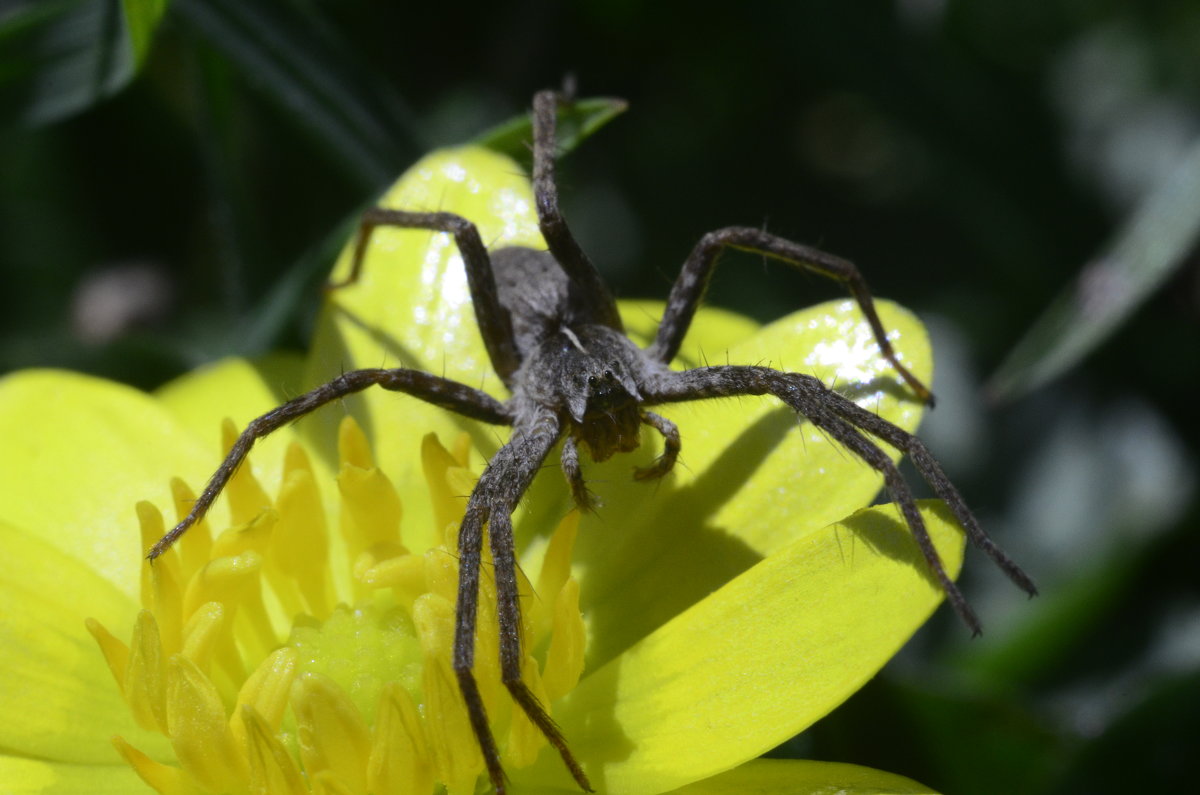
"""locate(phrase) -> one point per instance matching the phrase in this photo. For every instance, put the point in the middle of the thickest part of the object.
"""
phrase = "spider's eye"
(591, 380)
(608, 374)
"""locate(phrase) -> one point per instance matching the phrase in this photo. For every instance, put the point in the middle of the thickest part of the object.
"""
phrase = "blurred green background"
(1024, 174)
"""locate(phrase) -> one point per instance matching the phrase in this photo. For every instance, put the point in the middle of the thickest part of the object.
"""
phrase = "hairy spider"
(552, 332)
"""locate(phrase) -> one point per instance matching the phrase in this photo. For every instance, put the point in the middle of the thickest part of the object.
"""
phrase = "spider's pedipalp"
(574, 475)
(671, 446)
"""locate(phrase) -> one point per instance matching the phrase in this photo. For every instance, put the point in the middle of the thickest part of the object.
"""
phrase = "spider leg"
(693, 279)
(502, 484)
(846, 423)
(581, 273)
(574, 474)
(665, 462)
(495, 323)
(932, 472)
(439, 391)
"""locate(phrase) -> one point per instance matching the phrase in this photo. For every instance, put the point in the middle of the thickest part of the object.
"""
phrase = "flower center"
(269, 667)
(360, 649)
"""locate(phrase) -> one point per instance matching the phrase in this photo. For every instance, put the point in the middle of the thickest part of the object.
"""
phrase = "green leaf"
(302, 65)
(1147, 249)
(576, 122)
(142, 18)
(60, 57)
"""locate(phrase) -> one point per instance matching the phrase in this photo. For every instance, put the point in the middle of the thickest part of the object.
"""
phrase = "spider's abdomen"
(539, 297)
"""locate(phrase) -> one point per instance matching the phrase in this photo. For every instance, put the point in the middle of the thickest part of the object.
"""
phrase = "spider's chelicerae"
(552, 332)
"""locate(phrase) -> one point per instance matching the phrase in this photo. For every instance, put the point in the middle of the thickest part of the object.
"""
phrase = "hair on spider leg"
(556, 341)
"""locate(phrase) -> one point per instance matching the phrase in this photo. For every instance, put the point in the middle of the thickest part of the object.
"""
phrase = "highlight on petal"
(760, 659)
(411, 300)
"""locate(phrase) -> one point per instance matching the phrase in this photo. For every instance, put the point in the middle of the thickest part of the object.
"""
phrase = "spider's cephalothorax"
(554, 337)
(590, 377)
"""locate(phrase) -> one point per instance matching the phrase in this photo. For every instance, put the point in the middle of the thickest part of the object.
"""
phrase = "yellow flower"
(301, 643)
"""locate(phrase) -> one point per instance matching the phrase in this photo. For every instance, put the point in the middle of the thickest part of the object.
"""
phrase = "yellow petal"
(803, 777)
(22, 776)
(751, 476)
(713, 332)
(55, 677)
(760, 659)
(807, 478)
(78, 454)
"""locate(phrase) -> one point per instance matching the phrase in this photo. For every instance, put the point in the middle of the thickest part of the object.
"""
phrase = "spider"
(553, 335)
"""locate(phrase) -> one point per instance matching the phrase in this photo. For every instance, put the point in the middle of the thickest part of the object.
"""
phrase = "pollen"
(292, 653)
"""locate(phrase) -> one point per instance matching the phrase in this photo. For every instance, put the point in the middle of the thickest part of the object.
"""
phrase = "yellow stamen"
(272, 769)
(400, 760)
(145, 685)
(199, 731)
(271, 670)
